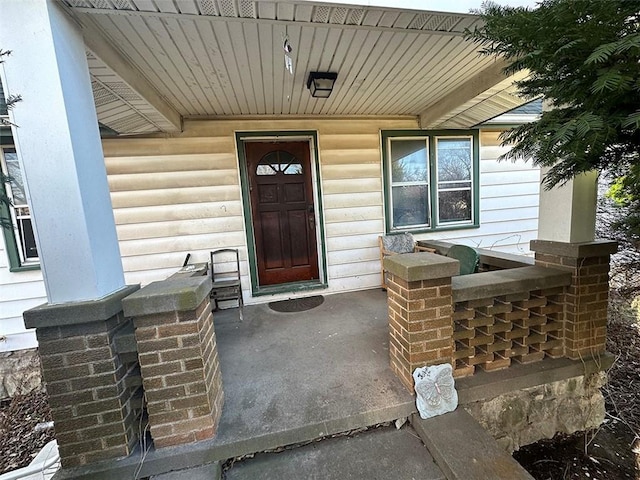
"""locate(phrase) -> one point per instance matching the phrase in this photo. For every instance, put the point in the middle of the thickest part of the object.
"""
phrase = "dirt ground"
(20, 441)
(610, 453)
(613, 451)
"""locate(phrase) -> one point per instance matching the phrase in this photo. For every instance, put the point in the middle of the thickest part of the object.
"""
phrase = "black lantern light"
(321, 83)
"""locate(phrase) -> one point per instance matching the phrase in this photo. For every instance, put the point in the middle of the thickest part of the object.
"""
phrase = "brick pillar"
(586, 299)
(420, 311)
(178, 359)
(93, 410)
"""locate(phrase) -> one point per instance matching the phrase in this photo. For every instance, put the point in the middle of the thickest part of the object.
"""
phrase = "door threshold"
(292, 287)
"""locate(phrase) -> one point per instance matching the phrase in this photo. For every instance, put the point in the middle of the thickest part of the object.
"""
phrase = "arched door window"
(279, 162)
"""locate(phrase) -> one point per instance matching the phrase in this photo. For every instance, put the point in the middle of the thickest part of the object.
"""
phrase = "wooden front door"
(283, 211)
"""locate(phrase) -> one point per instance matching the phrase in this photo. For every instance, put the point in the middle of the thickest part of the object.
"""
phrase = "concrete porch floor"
(299, 376)
(291, 378)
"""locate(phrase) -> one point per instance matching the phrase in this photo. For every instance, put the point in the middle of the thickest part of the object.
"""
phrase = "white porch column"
(568, 213)
(59, 144)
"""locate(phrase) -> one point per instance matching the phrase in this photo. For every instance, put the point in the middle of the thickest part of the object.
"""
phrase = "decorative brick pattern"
(420, 324)
(523, 327)
(181, 374)
(94, 406)
(586, 300)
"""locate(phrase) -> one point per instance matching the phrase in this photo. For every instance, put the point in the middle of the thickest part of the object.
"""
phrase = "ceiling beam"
(98, 44)
(479, 83)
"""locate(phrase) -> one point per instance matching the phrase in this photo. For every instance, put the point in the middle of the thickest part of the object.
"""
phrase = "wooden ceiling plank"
(466, 62)
(416, 61)
(227, 53)
(472, 87)
(101, 47)
(338, 64)
(145, 58)
(258, 57)
(386, 43)
(285, 11)
(191, 45)
(388, 19)
(302, 39)
(386, 79)
(145, 5)
(174, 60)
(277, 36)
(329, 51)
(441, 75)
(189, 7)
(303, 13)
(404, 19)
(302, 96)
(355, 61)
(267, 10)
(270, 53)
(225, 94)
(166, 6)
(216, 85)
(245, 70)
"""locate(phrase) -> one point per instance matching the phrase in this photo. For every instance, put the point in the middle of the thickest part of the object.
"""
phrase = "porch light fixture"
(321, 83)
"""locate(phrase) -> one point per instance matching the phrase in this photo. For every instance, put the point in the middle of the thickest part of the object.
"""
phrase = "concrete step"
(464, 450)
(382, 453)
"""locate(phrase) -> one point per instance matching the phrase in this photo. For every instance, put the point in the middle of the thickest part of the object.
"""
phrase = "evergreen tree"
(583, 57)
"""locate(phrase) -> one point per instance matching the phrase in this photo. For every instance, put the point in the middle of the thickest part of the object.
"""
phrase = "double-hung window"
(431, 179)
(19, 239)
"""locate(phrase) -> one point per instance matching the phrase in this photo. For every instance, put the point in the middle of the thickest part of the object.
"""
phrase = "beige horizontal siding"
(173, 195)
(177, 195)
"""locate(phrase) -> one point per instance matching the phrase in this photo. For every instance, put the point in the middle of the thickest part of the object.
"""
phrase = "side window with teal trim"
(431, 179)
(17, 226)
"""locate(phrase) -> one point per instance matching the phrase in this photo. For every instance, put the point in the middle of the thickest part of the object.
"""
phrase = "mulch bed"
(612, 452)
(19, 440)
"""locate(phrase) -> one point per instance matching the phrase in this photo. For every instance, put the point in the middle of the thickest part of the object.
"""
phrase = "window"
(431, 179)
(20, 240)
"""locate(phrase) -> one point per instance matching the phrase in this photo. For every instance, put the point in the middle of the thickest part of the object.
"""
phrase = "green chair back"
(467, 256)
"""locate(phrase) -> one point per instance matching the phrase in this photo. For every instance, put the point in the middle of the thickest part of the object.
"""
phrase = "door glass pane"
(410, 205)
(265, 170)
(454, 159)
(454, 206)
(408, 161)
(293, 169)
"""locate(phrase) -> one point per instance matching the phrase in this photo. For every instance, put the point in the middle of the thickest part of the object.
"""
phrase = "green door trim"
(312, 137)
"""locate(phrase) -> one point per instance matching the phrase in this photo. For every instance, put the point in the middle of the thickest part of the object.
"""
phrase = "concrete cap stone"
(75, 313)
(505, 282)
(597, 248)
(176, 294)
(414, 267)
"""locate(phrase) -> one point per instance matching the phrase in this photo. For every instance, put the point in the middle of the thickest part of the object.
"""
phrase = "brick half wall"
(94, 409)
(178, 359)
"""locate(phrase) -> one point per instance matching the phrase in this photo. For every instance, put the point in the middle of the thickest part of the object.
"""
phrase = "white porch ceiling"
(210, 58)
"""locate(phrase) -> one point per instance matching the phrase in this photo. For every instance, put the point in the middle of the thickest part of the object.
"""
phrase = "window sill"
(436, 229)
(25, 268)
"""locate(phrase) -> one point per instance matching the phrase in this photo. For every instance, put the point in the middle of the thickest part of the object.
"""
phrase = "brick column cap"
(597, 248)
(74, 313)
(174, 294)
(413, 267)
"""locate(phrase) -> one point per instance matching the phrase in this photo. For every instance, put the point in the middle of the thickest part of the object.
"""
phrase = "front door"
(283, 211)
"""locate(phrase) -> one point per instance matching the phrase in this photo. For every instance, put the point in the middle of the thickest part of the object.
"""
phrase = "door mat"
(296, 304)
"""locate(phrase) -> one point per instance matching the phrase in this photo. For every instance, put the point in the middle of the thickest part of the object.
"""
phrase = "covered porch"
(295, 378)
